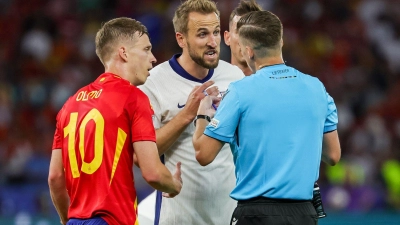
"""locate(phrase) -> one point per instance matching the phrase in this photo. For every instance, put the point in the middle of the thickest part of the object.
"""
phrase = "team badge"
(214, 123)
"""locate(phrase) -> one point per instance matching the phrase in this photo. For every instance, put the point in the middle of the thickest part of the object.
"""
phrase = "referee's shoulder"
(310, 80)
(305, 75)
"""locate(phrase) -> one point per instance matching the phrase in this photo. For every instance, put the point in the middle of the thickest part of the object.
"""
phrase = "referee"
(279, 123)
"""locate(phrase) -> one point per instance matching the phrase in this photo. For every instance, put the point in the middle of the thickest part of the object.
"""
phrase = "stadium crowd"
(353, 46)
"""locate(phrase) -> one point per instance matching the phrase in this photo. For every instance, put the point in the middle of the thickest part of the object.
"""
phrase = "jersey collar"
(173, 62)
(273, 65)
(110, 76)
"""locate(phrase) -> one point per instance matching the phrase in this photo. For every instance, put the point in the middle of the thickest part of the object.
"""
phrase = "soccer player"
(102, 129)
(231, 36)
(279, 123)
(175, 89)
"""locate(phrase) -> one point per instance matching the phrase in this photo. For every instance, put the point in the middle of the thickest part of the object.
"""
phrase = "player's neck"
(118, 70)
(192, 67)
(268, 61)
(243, 66)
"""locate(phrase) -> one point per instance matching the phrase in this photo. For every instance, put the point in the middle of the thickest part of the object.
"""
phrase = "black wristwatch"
(201, 117)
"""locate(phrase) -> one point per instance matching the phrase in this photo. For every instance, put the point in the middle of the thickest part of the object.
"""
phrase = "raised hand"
(197, 94)
(178, 182)
(208, 106)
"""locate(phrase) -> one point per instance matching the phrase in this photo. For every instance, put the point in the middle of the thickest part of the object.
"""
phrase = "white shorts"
(147, 209)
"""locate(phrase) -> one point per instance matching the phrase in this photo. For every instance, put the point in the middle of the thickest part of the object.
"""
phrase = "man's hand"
(178, 182)
(197, 94)
(170, 132)
(206, 106)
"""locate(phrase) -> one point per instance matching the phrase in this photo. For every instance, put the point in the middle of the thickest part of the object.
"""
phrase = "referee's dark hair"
(262, 30)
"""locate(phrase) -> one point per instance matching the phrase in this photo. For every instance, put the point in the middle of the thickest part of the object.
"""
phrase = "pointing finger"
(204, 86)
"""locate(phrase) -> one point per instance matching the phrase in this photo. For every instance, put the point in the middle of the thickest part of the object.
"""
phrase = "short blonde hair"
(116, 30)
(180, 19)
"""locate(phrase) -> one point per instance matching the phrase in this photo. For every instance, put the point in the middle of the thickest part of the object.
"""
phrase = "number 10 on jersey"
(70, 131)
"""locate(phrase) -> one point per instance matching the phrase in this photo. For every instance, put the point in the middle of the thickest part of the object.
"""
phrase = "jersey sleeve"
(223, 126)
(150, 90)
(331, 118)
(142, 125)
(57, 140)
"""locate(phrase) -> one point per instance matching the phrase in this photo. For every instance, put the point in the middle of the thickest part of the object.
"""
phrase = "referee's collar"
(272, 66)
(173, 62)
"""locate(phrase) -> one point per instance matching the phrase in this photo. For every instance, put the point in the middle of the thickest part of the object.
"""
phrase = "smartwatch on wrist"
(201, 117)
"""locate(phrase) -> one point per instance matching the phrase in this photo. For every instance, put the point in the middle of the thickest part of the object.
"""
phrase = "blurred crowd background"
(47, 52)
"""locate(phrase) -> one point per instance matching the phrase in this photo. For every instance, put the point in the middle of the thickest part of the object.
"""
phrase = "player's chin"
(143, 80)
(212, 65)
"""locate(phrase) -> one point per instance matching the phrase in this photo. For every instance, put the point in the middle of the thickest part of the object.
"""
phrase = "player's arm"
(169, 133)
(135, 161)
(58, 189)
(154, 172)
(331, 151)
(206, 148)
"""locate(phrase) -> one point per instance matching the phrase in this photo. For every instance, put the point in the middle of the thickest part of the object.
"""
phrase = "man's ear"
(180, 38)
(122, 53)
(250, 52)
(227, 38)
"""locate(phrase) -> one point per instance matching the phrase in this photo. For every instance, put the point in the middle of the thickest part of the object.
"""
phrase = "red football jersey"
(95, 130)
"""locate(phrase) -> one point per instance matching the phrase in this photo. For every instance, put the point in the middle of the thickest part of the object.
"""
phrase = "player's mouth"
(211, 54)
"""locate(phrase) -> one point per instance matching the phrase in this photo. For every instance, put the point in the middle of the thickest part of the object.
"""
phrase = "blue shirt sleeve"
(331, 118)
(223, 126)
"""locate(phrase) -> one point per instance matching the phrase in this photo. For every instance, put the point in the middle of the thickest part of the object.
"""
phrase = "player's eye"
(202, 34)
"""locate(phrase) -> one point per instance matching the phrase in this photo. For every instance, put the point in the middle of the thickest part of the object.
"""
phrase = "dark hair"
(261, 29)
(116, 30)
(180, 19)
(243, 8)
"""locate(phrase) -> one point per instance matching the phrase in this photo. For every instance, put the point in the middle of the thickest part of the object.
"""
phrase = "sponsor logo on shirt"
(181, 106)
(214, 123)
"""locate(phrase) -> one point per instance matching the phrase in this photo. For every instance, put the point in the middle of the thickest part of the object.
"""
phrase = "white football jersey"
(204, 198)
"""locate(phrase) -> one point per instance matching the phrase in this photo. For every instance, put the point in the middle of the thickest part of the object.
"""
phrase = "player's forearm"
(57, 186)
(170, 132)
(60, 199)
(162, 180)
(331, 151)
(203, 156)
(198, 132)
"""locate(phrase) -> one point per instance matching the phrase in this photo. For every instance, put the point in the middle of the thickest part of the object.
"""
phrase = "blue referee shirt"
(274, 122)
